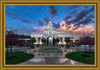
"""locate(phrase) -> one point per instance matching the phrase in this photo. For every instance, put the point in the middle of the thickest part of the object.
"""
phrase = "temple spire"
(50, 23)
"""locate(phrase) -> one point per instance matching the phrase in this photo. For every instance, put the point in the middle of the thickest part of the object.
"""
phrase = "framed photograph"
(49, 35)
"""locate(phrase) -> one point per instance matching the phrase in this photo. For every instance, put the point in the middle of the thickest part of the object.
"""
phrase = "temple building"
(49, 34)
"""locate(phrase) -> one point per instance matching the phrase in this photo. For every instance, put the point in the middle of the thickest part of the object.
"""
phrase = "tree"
(67, 39)
(53, 41)
(83, 41)
(91, 40)
(77, 42)
(10, 36)
(43, 40)
(33, 40)
(57, 39)
(87, 40)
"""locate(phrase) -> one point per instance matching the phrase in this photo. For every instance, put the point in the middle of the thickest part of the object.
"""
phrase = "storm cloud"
(25, 20)
(73, 7)
(56, 25)
(52, 11)
(12, 14)
(67, 17)
(82, 14)
(46, 20)
(85, 21)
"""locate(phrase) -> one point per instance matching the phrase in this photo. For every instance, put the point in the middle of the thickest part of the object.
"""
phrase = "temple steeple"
(50, 24)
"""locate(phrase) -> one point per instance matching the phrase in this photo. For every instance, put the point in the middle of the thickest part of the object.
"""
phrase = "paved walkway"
(50, 60)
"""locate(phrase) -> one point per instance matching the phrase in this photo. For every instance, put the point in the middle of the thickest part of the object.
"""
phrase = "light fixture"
(50, 38)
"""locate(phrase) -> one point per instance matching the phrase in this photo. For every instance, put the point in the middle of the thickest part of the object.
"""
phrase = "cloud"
(13, 17)
(85, 21)
(16, 16)
(25, 20)
(40, 29)
(91, 16)
(53, 11)
(66, 18)
(86, 7)
(56, 25)
(37, 21)
(74, 30)
(73, 7)
(92, 8)
(83, 17)
(82, 14)
(63, 7)
(74, 12)
(27, 15)
(46, 20)
(12, 14)
(80, 30)
(44, 27)
(35, 29)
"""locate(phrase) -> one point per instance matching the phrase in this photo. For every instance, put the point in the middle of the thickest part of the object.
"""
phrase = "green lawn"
(49, 45)
(77, 57)
(19, 57)
(50, 48)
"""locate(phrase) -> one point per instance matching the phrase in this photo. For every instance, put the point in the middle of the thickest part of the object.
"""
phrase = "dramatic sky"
(72, 19)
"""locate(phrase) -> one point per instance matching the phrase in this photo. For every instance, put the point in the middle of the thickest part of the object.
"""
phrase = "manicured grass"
(50, 48)
(77, 57)
(19, 57)
(49, 45)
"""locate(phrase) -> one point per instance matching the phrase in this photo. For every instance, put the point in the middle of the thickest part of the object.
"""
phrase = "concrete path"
(50, 60)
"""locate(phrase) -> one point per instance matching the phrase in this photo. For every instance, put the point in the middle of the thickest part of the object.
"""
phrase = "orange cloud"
(64, 28)
(35, 28)
(40, 29)
(68, 19)
(70, 29)
(44, 27)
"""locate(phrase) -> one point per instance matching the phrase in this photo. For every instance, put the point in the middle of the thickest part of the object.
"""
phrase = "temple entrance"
(50, 40)
(39, 40)
(61, 41)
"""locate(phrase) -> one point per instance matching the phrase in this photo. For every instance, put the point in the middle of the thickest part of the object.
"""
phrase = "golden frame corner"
(96, 66)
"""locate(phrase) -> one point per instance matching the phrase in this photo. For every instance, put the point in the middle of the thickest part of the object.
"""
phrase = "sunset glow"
(65, 19)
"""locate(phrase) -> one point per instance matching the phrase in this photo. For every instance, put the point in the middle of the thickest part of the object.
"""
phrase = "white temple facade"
(49, 34)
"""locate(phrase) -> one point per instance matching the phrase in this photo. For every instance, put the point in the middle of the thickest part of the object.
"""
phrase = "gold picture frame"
(96, 66)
